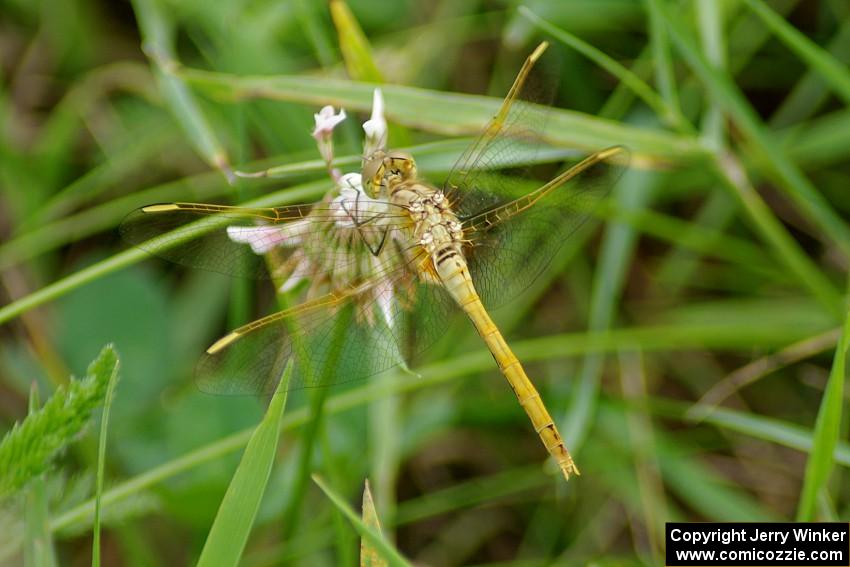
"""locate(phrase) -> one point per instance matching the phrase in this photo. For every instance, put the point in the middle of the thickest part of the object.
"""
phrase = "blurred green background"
(688, 342)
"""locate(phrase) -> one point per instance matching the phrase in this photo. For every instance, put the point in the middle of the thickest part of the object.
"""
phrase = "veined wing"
(339, 337)
(217, 237)
(513, 242)
(517, 126)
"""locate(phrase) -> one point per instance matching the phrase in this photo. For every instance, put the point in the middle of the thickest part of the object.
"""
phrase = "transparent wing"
(339, 337)
(512, 243)
(232, 240)
(516, 130)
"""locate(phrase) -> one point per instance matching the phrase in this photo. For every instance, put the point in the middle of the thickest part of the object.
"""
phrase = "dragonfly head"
(384, 170)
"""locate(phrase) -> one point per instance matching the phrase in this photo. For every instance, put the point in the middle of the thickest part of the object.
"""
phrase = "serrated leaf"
(30, 447)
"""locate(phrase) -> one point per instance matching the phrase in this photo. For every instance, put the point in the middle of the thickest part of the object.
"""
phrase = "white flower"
(376, 126)
(353, 205)
(352, 209)
(263, 238)
(299, 274)
(326, 121)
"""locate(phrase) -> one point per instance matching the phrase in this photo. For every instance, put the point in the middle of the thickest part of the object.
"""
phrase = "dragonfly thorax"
(435, 225)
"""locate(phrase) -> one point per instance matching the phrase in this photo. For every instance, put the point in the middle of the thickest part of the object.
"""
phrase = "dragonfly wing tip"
(160, 208)
(222, 343)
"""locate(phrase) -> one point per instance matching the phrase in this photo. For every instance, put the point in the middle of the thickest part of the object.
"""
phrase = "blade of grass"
(827, 431)
(633, 193)
(821, 141)
(451, 114)
(711, 36)
(786, 249)
(682, 262)
(761, 367)
(702, 489)
(355, 48)
(665, 78)
(643, 450)
(833, 71)
(665, 112)
(124, 161)
(369, 556)
(158, 43)
(811, 93)
(692, 237)
(368, 533)
(343, 535)
(384, 448)
(435, 157)
(232, 525)
(299, 193)
(319, 38)
(473, 492)
(135, 255)
(760, 427)
(723, 91)
(649, 339)
(101, 461)
(318, 397)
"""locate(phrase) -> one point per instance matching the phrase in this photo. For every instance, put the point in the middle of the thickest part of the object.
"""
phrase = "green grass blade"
(28, 449)
(710, 21)
(320, 40)
(811, 93)
(723, 91)
(633, 194)
(664, 74)
(833, 72)
(644, 451)
(641, 89)
(435, 157)
(385, 426)
(827, 431)
(101, 463)
(450, 114)
(232, 525)
(759, 427)
(158, 41)
(666, 338)
(135, 255)
(787, 250)
(369, 533)
(369, 556)
(356, 51)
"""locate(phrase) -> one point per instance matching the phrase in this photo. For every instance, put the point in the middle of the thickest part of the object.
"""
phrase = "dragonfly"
(383, 261)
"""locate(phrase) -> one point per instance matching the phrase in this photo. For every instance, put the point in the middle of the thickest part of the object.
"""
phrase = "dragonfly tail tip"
(569, 468)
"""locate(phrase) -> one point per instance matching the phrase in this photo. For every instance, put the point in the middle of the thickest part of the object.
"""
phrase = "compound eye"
(371, 168)
(373, 164)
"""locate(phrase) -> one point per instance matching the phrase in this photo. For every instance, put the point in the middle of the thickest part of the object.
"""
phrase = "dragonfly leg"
(358, 225)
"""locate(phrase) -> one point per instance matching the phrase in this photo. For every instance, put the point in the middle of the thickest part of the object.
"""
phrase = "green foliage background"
(718, 275)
